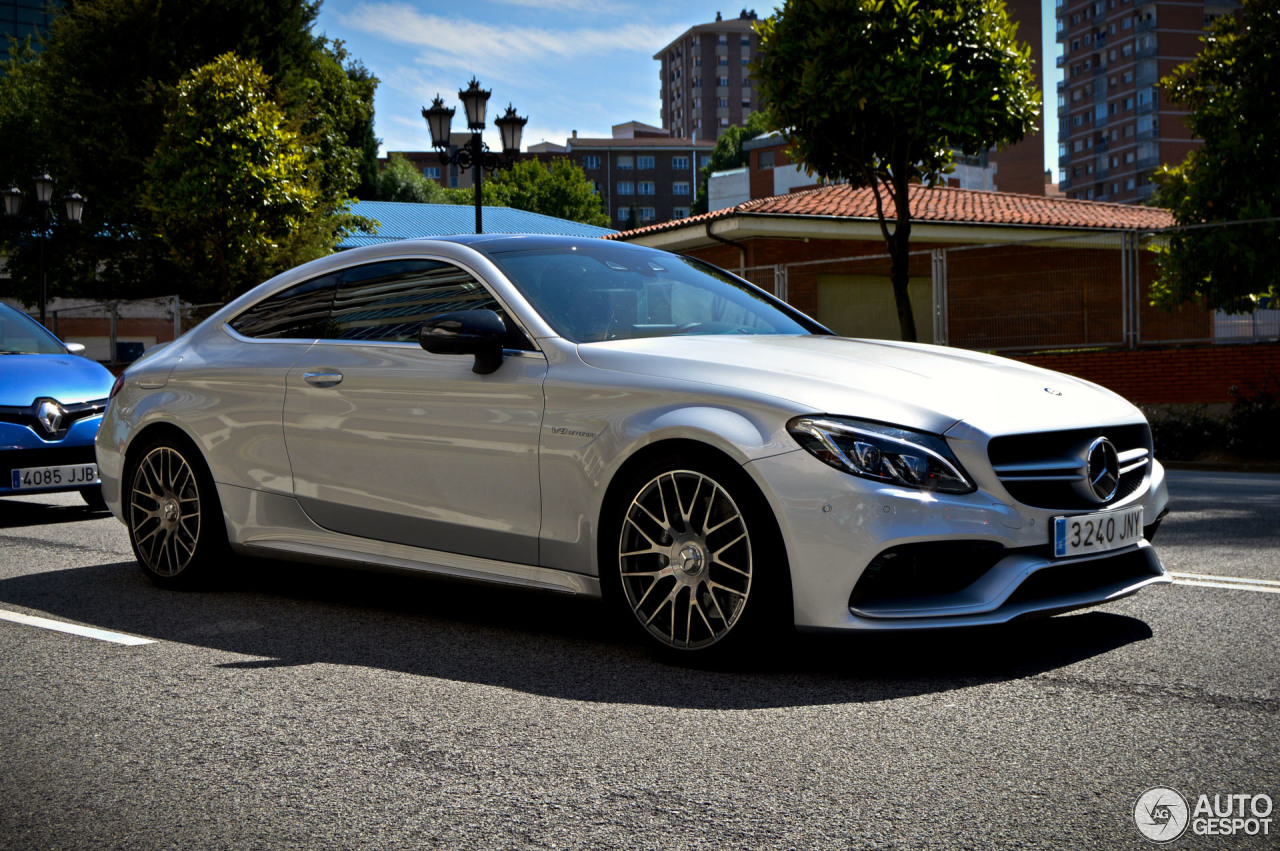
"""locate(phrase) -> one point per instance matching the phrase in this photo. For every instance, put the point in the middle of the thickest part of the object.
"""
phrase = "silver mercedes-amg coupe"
(592, 417)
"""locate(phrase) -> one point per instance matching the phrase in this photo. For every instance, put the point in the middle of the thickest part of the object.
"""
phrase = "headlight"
(882, 453)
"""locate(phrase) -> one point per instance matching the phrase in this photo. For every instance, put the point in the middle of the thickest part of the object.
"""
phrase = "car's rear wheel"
(696, 559)
(171, 510)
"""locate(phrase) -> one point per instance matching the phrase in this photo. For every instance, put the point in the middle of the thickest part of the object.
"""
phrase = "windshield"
(22, 335)
(589, 293)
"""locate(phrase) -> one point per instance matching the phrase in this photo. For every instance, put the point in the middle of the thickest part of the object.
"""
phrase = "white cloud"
(456, 41)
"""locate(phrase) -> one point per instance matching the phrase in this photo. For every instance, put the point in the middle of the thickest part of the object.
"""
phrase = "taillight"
(115, 388)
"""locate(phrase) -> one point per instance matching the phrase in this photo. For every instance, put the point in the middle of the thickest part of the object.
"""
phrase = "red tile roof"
(938, 204)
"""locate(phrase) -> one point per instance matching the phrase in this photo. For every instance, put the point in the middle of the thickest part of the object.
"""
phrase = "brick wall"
(1184, 375)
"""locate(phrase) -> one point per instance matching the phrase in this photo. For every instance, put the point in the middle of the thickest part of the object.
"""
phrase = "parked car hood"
(918, 386)
(68, 378)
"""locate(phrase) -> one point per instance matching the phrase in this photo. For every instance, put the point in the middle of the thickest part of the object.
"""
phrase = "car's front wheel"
(171, 510)
(695, 558)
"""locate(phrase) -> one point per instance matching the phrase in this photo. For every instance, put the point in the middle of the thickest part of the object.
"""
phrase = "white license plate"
(68, 476)
(1082, 534)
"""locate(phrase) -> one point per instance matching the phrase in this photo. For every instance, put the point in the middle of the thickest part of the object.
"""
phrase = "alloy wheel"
(685, 559)
(164, 512)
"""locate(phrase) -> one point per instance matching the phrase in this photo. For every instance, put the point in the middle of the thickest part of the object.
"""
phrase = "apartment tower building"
(1115, 125)
(706, 87)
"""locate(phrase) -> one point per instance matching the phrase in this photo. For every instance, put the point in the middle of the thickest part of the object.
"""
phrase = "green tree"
(880, 93)
(231, 187)
(402, 181)
(1230, 88)
(107, 80)
(728, 153)
(560, 189)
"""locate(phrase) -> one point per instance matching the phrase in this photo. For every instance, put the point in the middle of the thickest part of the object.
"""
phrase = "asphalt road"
(302, 707)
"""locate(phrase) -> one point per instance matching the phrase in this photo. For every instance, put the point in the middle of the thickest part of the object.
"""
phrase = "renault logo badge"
(50, 414)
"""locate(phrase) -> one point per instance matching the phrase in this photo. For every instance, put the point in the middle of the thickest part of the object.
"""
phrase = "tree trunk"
(900, 251)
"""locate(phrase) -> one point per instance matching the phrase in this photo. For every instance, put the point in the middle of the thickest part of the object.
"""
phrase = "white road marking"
(1235, 583)
(74, 629)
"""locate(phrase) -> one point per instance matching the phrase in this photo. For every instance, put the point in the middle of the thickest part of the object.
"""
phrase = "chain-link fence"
(1071, 292)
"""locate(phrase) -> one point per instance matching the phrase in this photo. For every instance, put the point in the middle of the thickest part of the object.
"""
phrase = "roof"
(400, 220)
(942, 205)
(639, 142)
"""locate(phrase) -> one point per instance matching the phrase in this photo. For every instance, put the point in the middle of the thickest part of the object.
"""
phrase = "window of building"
(1111, 55)
(648, 215)
(1076, 120)
(1129, 157)
(724, 122)
(679, 163)
(591, 161)
(1128, 103)
(1127, 50)
(1115, 162)
(680, 187)
(646, 187)
(722, 38)
(766, 159)
(745, 41)
(595, 187)
(644, 162)
(431, 172)
(704, 160)
(724, 102)
(724, 60)
(1112, 108)
(679, 212)
(626, 187)
(1130, 183)
(1077, 146)
(722, 81)
(697, 103)
(746, 102)
(1076, 94)
(1127, 23)
(1075, 44)
(745, 62)
(1128, 131)
(697, 61)
(626, 162)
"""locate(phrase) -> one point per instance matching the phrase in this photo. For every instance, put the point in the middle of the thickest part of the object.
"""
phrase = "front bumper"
(835, 526)
(20, 448)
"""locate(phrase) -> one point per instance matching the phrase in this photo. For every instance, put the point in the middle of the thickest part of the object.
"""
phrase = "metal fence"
(118, 332)
(1080, 291)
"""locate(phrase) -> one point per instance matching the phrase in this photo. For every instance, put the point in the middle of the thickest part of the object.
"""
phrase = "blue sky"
(568, 65)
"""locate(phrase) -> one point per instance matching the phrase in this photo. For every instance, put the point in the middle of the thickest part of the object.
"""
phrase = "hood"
(918, 386)
(70, 379)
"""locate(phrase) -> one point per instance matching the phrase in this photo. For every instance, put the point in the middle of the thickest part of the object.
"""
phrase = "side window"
(300, 312)
(389, 301)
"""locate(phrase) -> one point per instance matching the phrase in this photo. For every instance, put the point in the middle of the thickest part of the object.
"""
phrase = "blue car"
(51, 403)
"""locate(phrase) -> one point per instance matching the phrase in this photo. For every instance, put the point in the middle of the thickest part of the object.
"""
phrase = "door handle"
(322, 379)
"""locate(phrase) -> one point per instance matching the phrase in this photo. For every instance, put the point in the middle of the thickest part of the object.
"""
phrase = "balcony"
(1147, 135)
(1145, 25)
(1147, 164)
(1147, 106)
(1146, 190)
(1144, 52)
(1060, 61)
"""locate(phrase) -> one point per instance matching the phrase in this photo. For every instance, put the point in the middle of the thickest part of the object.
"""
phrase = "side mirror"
(466, 332)
(75, 348)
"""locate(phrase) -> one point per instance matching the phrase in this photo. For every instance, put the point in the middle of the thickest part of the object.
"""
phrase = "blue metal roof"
(407, 221)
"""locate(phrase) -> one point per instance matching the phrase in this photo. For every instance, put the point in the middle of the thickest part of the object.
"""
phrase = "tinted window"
(20, 334)
(300, 312)
(388, 302)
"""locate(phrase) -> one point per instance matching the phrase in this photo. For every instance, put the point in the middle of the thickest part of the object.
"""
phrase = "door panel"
(389, 442)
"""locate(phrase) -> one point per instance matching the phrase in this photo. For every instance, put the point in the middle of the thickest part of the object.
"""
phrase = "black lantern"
(475, 153)
(74, 201)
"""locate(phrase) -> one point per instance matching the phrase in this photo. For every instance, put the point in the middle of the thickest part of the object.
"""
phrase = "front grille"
(29, 416)
(1043, 469)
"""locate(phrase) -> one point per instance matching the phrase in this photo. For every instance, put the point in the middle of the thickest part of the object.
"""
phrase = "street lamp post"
(475, 154)
(44, 202)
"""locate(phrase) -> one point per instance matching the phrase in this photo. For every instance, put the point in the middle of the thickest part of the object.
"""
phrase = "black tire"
(172, 513)
(691, 555)
(93, 498)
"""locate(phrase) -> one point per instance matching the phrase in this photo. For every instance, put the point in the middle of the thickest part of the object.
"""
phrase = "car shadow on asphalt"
(16, 514)
(277, 614)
